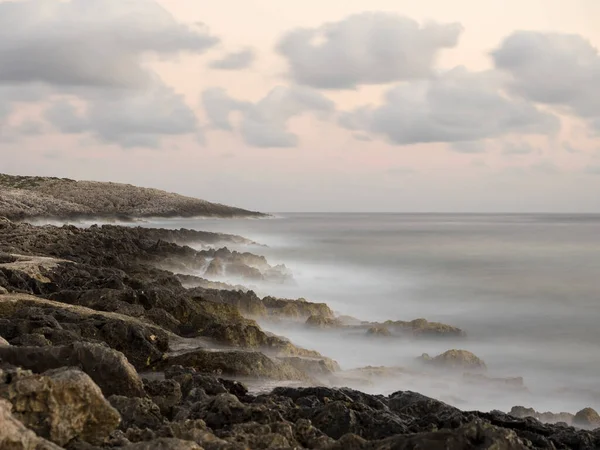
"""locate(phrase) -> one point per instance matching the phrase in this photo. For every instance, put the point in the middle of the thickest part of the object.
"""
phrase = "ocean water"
(525, 288)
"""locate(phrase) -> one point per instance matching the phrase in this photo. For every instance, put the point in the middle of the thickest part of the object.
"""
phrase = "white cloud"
(456, 106)
(264, 123)
(367, 48)
(552, 68)
(89, 42)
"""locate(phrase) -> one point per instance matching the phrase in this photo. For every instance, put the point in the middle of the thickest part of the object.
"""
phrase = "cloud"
(264, 123)
(400, 171)
(592, 170)
(468, 147)
(219, 105)
(455, 107)
(89, 42)
(235, 61)
(518, 148)
(552, 68)
(134, 119)
(367, 48)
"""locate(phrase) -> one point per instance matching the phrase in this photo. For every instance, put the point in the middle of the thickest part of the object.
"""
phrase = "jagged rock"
(546, 417)
(455, 359)
(3, 290)
(587, 418)
(137, 412)
(475, 435)
(60, 405)
(237, 363)
(15, 436)
(312, 366)
(379, 332)
(165, 393)
(321, 322)
(164, 444)
(109, 369)
(299, 309)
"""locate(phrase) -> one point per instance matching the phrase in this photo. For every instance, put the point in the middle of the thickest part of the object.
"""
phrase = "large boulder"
(15, 436)
(587, 418)
(137, 412)
(455, 360)
(61, 405)
(109, 369)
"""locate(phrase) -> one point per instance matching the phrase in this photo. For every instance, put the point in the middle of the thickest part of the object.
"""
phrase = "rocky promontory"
(119, 338)
(25, 197)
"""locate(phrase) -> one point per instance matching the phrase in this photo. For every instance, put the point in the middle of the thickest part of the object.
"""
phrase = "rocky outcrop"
(15, 436)
(109, 369)
(379, 332)
(321, 322)
(587, 418)
(545, 417)
(455, 360)
(24, 197)
(60, 405)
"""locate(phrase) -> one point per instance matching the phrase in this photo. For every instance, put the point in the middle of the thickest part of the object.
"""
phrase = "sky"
(313, 106)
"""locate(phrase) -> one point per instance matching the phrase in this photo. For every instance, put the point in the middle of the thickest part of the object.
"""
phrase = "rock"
(61, 405)
(15, 436)
(109, 369)
(299, 309)
(3, 342)
(456, 360)
(475, 435)
(165, 393)
(379, 332)
(31, 340)
(164, 444)
(587, 418)
(237, 364)
(546, 417)
(3, 290)
(321, 322)
(312, 366)
(216, 268)
(137, 412)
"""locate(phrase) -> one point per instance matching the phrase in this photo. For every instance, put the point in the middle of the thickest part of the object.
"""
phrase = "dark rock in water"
(546, 417)
(587, 418)
(61, 405)
(379, 332)
(137, 412)
(455, 359)
(321, 322)
(109, 369)
(299, 309)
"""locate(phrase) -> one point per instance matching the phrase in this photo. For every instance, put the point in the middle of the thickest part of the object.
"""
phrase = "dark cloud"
(134, 119)
(235, 61)
(264, 123)
(555, 69)
(456, 106)
(89, 42)
(367, 48)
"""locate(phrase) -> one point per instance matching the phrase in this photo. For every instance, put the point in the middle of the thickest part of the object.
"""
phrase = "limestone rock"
(317, 321)
(60, 405)
(587, 418)
(15, 436)
(109, 369)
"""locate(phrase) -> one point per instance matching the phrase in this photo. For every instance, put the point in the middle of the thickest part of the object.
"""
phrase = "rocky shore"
(25, 197)
(124, 338)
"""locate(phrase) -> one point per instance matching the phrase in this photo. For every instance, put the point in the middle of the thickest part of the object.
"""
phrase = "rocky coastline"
(116, 337)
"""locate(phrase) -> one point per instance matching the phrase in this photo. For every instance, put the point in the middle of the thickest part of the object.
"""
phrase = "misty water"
(525, 288)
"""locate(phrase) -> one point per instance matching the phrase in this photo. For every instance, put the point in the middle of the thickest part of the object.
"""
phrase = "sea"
(525, 289)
